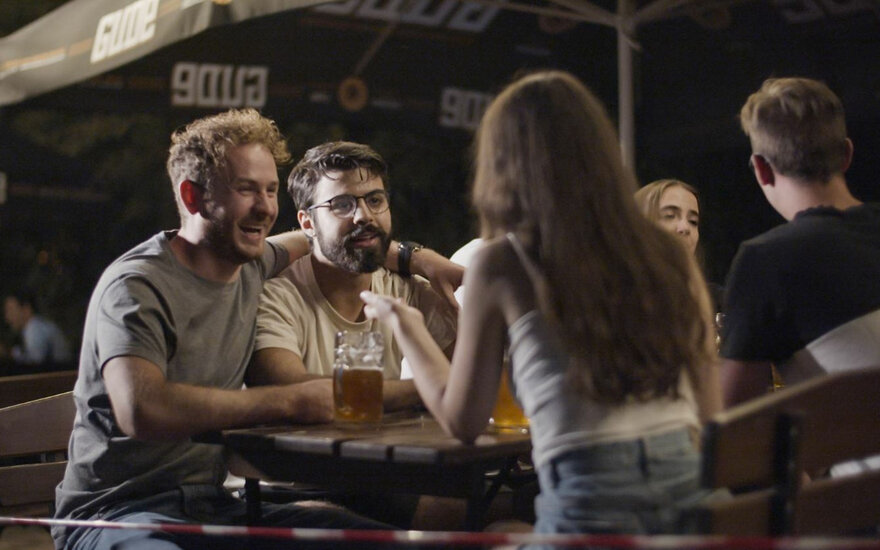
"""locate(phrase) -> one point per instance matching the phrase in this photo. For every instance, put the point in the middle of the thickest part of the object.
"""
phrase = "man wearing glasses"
(805, 295)
(340, 189)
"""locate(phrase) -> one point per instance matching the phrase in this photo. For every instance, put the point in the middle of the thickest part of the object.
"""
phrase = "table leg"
(502, 478)
(252, 499)
(479, 500)
(481, 496)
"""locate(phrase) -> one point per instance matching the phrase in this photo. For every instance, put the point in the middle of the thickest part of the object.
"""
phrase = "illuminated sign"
(462, 108)
(213, 85)
(455, 15)
(124, 29)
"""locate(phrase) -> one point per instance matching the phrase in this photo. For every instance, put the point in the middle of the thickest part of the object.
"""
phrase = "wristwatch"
(405, 251)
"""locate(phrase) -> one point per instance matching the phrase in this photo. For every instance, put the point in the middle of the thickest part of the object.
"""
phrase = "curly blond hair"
(198, 151)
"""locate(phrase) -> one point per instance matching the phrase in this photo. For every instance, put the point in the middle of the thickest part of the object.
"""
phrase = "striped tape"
(459, 538)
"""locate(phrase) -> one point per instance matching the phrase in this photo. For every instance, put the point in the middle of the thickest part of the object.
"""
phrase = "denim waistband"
(620, 455)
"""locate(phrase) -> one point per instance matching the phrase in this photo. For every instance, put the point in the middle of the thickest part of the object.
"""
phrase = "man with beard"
(340, 189)
(167, 340)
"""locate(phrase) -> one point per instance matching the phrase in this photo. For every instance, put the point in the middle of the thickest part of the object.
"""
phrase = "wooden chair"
(761, 449)
(27, 387)
(34, 434)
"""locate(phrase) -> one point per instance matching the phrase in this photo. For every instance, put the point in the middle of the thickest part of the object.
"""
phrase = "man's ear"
(763, 171)
(849, 156)
(191, 196)
(305, 223)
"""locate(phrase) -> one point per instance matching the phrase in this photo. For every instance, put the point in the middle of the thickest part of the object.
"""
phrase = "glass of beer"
(357, 377)
(507, 414)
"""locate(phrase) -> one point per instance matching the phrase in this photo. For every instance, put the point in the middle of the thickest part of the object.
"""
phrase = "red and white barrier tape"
(458, 538)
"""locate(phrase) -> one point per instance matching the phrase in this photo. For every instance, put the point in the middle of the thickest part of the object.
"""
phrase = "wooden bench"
(35, 433)
(761, 449)
(27, 387)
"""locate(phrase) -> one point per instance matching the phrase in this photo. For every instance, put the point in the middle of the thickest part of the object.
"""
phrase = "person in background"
(42, 341)
(607, 316)
(675, 206)
(168, 335)
(805, 295)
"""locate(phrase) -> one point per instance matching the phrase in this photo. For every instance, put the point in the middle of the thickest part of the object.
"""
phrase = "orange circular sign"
(353, 94)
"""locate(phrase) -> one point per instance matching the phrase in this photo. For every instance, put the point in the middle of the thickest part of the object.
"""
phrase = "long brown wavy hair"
(626, 298)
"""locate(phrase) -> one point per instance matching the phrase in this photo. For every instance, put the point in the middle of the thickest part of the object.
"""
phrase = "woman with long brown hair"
(606, 317)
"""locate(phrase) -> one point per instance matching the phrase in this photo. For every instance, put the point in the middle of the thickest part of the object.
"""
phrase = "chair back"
(27, 387)
(33, 446)
(761, 449)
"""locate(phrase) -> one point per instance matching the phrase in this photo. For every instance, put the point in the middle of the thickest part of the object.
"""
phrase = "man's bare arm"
(296, 243)
(282, 366)
(148, 406)
(445, 276)
(744, 380)
(277, 366)
(400, 394)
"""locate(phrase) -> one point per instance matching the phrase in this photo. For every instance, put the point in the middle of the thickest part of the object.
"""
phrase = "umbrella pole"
(625, 114)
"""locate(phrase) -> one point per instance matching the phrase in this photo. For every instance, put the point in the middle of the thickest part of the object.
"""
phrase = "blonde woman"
(607, 317)
(675, 206)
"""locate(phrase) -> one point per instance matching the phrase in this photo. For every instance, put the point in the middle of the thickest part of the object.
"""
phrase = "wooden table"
(406, 453)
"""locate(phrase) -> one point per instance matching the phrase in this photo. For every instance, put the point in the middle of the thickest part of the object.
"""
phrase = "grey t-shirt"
(199, 332)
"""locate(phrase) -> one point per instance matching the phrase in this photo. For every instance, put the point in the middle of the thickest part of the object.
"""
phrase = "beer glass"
(507, 414)
(357, 377)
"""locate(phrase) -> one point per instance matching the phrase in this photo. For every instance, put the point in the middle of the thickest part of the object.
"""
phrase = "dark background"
(85, 164)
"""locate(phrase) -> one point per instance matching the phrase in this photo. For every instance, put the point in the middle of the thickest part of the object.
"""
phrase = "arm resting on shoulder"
(296, 243)
(445, 276)
(148, 406)
(744, 380)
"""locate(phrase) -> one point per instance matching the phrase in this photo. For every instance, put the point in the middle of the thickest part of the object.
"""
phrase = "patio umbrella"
(85, 38)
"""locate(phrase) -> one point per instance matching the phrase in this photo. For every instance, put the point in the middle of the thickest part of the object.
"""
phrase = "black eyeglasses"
(344, 206)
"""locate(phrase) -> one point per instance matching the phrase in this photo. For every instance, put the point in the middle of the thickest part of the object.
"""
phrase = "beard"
(355, 260)
(220, 236)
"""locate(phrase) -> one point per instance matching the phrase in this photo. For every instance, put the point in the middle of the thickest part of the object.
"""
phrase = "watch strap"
(405, 251)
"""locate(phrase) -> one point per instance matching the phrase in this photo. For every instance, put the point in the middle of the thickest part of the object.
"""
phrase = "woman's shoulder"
(494, 256)
(498, 268)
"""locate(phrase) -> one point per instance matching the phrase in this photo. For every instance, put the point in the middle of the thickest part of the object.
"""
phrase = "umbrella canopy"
(409, 77)
(85, 38)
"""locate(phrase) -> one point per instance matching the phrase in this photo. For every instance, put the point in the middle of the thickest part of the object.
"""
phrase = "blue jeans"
(640, 486)
(209, 505)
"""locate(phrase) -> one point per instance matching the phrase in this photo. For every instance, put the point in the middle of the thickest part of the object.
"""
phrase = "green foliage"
(427, 179)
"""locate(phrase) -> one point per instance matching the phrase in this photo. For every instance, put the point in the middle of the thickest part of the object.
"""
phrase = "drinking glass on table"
(507, 414)
(357, 377)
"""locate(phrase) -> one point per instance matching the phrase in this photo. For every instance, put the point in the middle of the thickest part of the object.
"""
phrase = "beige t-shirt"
(294, 315)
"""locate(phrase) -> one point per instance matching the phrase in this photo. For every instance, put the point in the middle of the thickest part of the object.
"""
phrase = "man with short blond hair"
(804, 296)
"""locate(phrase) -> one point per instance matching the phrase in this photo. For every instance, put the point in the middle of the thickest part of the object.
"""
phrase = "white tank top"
(561, 418)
